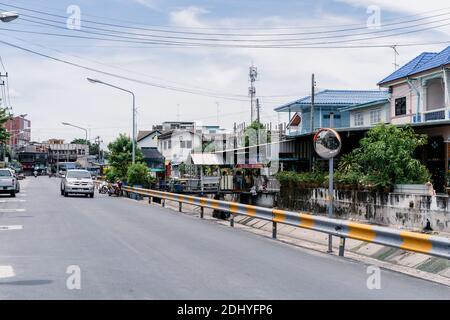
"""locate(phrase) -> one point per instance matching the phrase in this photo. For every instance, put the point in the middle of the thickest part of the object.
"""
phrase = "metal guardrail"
(406, 240)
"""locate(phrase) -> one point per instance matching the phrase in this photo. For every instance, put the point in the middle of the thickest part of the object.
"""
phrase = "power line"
(136, 25)
(172, 88)
(187, 40)
(221, 45)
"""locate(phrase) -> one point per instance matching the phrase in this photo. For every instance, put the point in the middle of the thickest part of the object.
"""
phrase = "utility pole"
(330, 189)
(394, 47)
(253, 75)
(258, 106)
(98, 142)
(313, 89)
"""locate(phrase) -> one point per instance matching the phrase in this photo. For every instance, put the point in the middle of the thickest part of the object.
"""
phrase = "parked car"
(77, 182)
(8, 182)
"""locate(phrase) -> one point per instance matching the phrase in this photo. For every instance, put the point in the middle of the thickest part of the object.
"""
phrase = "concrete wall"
(393, 209)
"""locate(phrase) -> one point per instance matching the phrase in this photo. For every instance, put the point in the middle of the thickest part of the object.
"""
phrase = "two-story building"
(420, 97)
(345, 108)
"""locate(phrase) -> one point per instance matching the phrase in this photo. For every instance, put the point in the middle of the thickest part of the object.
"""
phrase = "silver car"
(77, 182)
(8, 182)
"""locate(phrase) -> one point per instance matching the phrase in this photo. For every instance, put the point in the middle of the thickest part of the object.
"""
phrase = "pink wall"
(403, 90)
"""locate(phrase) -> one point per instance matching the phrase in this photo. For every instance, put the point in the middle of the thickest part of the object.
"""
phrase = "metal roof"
(145, 133)
(335, 98)
(423, 62)
(151, 153)
(365, 105)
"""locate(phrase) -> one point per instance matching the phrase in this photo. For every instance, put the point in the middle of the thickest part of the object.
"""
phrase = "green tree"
(138, 174)
(120, 157)
(386, 155)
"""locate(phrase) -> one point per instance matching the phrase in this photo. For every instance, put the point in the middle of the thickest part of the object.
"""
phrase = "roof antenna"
(394, 47)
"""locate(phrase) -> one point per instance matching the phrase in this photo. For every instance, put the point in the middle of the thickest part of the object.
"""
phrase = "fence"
(406, 240)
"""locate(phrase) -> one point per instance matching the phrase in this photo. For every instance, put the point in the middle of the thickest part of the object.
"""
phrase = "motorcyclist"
(35, 173)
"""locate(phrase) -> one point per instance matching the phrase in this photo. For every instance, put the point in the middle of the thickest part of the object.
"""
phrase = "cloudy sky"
(51, 92)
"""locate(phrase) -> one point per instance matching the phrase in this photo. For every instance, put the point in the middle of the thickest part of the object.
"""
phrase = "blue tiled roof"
(425, 61)
(339, 98)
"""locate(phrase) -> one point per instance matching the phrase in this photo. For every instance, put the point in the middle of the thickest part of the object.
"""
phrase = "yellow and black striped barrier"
(406, 240)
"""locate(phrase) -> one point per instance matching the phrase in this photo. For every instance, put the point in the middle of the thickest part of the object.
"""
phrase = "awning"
(206, 159)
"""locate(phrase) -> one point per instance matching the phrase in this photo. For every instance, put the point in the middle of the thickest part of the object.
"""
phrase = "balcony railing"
(434, 115)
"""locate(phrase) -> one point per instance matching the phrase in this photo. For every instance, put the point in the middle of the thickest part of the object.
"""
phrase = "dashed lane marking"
(12, 210)
(13, 227)
(12, 200)
(6, 272)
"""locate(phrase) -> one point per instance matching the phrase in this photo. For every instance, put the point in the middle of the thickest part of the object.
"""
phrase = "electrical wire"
(40, 19)
(187, 40)
(183, 44)
(136, 25)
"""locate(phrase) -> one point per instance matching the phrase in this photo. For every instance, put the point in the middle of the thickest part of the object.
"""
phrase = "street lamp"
(72, 125)
(134, 112)
(8, 16)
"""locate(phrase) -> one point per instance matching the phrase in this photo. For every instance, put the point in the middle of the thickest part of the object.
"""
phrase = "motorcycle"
(35, 174)
(103, 188)
(114, 190)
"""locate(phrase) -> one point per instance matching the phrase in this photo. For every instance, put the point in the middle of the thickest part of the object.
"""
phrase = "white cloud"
(401, 5)
(188, 17)
(152, 4)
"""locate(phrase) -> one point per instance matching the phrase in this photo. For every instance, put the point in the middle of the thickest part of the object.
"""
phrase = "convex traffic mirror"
(327, 143)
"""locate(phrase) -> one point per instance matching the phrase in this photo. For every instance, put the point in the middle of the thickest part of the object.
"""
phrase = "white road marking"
(6, 272)
(12, 210)
(13, 227)
(12, 200)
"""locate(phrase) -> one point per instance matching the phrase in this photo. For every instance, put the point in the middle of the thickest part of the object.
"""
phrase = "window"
(400, 106)
(336, 116)
(375, 116)
(182, 144)
(189, 144)
(165, 145)
(359, 119)
(169, 144)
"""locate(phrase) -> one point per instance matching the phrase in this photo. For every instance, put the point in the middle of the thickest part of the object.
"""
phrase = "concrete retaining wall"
(389, 209)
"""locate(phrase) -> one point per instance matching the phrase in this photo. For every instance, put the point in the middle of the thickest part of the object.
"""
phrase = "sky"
(51, 92)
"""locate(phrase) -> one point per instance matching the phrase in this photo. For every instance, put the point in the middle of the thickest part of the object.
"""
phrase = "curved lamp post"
(134, 112)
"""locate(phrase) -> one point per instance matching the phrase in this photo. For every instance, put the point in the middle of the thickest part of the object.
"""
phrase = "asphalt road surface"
(130, 250)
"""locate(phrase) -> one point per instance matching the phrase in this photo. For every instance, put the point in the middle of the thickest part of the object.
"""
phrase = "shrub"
(138, 174)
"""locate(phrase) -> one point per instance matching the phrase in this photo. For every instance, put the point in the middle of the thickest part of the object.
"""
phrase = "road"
(131, 250)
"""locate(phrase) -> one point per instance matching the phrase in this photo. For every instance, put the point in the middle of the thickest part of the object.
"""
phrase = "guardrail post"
(150, 200)
(163, 202)
(202, 212)
(180, 206)
(232, 220)
(274, 230)
(342, 247)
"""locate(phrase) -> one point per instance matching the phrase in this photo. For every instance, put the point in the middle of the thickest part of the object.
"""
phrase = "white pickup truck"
(8, 182)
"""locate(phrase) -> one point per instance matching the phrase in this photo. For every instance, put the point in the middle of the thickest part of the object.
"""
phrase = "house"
(419, 96)
(176, 146)
(148, 139)
(420, 89)
(154, 159)
(369, 114)
(327, 103)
